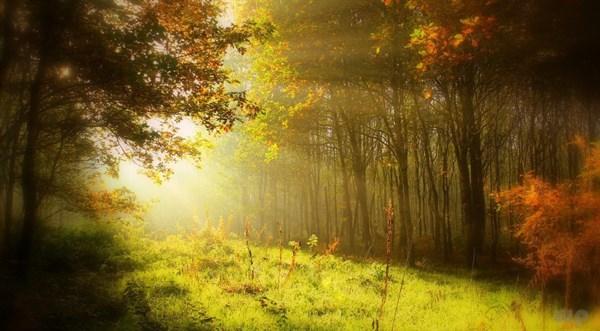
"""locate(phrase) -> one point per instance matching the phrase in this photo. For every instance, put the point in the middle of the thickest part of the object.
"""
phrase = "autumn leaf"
(457, 40)
(427, 94)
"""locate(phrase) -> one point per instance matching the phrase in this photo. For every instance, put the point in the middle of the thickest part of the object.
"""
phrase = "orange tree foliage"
(561, 223)
(97, 204)
(451, 33)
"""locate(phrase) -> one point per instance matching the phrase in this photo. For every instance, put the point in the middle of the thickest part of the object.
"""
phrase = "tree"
(459, 50)
(109, 81)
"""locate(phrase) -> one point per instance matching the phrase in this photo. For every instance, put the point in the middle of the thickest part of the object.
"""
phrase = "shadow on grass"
(71, 284)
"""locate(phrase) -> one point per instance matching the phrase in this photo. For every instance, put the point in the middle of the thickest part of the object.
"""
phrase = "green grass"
(117, 278)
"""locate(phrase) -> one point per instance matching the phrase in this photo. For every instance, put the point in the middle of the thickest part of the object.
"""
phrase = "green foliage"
(294, 245)
(312, 242)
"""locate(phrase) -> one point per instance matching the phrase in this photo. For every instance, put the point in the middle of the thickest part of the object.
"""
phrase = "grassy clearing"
(116, 278)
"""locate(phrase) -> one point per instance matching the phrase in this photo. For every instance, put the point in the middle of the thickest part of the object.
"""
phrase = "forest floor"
(117, 278)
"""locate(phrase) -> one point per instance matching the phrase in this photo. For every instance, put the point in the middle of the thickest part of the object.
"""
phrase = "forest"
(300, 165)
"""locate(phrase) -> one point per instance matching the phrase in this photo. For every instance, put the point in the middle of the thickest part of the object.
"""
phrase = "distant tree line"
(436, 106)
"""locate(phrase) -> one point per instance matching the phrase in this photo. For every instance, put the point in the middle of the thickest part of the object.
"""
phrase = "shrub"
(561, 226)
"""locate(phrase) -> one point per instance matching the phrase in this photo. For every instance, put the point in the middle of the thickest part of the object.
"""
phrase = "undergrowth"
(109, 277)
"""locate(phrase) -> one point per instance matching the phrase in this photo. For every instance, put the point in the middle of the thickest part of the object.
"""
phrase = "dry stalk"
(247, 228)
(295, 248)
(389, 215)
(280, 254)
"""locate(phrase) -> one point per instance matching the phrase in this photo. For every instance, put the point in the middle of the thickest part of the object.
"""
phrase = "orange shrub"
(560, 226)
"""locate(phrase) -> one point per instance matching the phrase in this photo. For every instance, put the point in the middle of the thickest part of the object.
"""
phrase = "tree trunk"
(476, 200)
(438, 221)
(29, 169)
(360, 179)
(347, 220)
(9, 195)
(9, 49)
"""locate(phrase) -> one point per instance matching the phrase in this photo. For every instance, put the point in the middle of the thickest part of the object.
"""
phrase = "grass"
(118, 278)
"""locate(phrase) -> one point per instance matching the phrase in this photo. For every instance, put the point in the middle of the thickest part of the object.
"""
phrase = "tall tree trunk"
(359, 168)
(9, 194)
(9, 50)
(476, 216)
(29, 180)
(406, 226)
(399, 135)
(347, 218)
(327, 215)
(446, 204)
(438, 221)
(360, 180)
(9, 47)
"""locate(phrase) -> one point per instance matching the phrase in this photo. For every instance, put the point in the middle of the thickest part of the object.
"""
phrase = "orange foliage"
(561, 223)
(445, 40)
(97, 204)
(333, 246)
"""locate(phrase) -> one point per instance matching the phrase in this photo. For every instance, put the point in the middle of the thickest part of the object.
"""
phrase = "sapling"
(312, 243)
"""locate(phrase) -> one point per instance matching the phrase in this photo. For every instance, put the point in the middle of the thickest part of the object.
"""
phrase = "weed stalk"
(389, 215)
(247, 236)
(280, 254)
